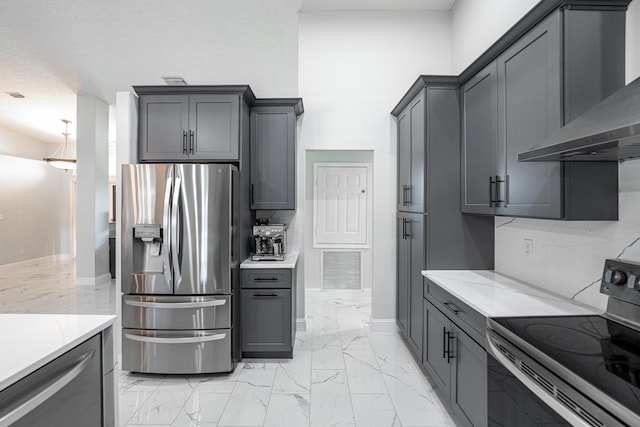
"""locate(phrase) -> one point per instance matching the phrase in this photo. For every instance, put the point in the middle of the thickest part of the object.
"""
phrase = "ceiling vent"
(174, 81)
(15, 94)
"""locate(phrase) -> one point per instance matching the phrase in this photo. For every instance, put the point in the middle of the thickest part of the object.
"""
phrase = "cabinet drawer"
(174, 312)
(457, 311)
(269, 278)
(176, 352)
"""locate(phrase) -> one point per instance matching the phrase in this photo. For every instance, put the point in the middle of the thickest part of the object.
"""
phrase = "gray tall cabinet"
(431, 231)
(562, 66)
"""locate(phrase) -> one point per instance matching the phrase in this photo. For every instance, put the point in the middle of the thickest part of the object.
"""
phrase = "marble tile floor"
(342, 373)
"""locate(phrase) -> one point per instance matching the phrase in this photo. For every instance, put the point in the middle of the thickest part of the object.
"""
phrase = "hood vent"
(609, 131)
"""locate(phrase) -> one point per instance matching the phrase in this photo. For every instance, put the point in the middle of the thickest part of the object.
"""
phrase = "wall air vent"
(174, 80)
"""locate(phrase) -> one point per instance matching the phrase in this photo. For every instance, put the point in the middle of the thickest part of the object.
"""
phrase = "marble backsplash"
(568, 256)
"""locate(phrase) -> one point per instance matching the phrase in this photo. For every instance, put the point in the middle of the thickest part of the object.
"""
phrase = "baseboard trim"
(301, 325)
(383, 325)
(52, 258)
(93, 281)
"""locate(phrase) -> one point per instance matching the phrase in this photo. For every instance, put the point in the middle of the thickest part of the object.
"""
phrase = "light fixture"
(62, 158)
(174, 80)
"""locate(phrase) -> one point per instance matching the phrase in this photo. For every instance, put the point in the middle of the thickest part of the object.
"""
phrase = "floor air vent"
(341, 269)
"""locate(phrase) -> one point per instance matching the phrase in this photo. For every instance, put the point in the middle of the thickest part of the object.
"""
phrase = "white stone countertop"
(290, 262)
(30, 341)
(495, 295)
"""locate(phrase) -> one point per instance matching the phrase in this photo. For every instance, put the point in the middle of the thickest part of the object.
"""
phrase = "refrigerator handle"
(175, 221)
(166, 226)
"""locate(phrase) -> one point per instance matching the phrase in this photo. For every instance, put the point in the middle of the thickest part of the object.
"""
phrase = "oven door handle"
(540, 392)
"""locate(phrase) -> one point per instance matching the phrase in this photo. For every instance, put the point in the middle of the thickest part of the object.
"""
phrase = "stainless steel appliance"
(570, 370)
(179, 268)
(270, 242)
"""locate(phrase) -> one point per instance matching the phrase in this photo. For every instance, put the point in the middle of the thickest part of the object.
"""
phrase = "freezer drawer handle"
(265, 295)
(265, 279)
(185, 340)
(26, 407)
(201, 304)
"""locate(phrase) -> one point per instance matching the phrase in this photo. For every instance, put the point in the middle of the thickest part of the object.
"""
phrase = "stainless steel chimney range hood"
(609, 131)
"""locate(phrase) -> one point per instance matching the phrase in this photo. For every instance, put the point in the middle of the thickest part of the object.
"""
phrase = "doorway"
(338, 242)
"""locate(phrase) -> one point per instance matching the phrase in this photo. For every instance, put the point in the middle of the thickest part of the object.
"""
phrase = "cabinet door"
(434, 356)
(266, 320)
(214, 127)
(480, 142)
(415, 231)
(164, 127)
(417, 111)
(403, 273)
(529, 108)
(273, 158)
(468, 379)
(404, 159)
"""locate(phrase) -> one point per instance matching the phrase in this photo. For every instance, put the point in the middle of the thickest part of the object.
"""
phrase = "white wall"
(34, 200)
(353, 68)
(568, 256)
(476, 25)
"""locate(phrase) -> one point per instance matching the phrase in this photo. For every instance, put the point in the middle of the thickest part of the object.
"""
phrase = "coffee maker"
(270, 242)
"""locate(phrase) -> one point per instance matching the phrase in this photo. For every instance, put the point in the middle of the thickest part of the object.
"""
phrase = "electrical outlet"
(528, 247)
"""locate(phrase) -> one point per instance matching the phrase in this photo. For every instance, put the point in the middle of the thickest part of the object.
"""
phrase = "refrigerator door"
(176, 312)
(146, 237)
(202, 236)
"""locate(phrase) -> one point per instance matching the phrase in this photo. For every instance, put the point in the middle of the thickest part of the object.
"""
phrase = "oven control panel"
(621, 280)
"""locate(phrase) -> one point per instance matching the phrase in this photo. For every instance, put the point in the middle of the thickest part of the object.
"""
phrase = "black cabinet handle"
(444, 342)
(408, 195)
(265, 295)
(405, 233)
(452, 308)
(184, 142)
(191, 137)
(450, 354)
(491, 192)
(498, 182)
(265, 279)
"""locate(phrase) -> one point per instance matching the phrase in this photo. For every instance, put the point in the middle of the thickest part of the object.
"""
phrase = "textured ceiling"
(51, 51)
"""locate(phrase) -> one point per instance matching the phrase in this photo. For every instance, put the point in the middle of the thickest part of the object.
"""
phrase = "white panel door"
(340, 205)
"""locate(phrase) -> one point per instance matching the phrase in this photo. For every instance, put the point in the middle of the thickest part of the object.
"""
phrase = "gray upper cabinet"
(411, 154)
(529, 108)
(214, 126)
(539, 82)
(273, 153)
(480, 142)
(164, 121)
(191, 123)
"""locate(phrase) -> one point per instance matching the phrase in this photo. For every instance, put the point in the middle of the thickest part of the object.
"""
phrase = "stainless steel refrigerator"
(179, 268)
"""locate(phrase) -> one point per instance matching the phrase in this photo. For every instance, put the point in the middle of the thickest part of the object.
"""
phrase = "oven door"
(511, 403)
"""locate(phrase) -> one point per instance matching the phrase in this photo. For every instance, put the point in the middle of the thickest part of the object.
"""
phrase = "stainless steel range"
(576, 370)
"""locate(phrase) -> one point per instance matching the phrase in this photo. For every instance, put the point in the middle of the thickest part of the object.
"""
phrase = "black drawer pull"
(265, 279)
(452, 307)
(450, 354)
(265, 295)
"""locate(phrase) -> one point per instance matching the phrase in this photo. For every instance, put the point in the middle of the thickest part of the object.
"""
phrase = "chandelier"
(62, 158)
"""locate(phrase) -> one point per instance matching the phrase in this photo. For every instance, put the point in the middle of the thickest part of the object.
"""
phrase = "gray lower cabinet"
(71, 390)
(198, 123)
(540, 82)
(268, 312)
(411, 238)
(457, 364)
(273, 153)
